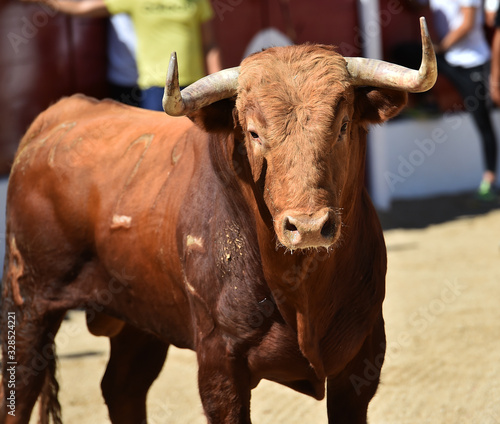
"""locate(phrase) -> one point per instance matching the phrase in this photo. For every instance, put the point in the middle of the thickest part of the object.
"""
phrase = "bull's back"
(103, 182)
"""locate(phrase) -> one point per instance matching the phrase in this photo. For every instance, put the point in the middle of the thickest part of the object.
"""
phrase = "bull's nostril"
(328, 229)
(289, 226)
(304, 230)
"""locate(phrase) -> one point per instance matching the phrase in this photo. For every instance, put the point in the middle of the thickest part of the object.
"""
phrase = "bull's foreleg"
(224, 384)
(135, 361)
(349, 393)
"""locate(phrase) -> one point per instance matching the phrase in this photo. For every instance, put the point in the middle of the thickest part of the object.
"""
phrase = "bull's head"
(300, 108)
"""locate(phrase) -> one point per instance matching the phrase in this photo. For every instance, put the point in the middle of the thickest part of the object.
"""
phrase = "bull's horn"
(207, 90)
(377, 73)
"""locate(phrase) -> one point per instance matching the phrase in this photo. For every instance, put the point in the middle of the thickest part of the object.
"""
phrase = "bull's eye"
(255, 137)
(343, 131)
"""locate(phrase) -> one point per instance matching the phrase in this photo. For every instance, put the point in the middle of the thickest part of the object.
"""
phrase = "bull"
(244, 233)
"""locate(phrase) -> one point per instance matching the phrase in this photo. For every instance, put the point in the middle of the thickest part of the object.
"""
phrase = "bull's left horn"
(207, 90)
(377, 73)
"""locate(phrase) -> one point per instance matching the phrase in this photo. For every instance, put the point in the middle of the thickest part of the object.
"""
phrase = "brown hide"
(104, 197)
(177, 230)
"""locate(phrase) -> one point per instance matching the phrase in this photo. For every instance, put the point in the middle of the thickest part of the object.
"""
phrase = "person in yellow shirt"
(161, 26)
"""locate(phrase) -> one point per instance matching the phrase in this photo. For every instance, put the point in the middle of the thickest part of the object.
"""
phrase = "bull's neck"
(306, 285)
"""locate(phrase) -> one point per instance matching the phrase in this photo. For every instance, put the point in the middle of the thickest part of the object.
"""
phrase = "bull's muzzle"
(303, 231)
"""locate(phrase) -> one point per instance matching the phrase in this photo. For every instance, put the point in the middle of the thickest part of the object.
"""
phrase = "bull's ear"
(215, 118)
(376, 105)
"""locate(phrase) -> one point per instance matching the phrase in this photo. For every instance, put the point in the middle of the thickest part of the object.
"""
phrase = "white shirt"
(473, 49)
(491, 5)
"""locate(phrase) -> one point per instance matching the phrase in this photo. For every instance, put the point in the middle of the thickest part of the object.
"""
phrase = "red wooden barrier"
(44, 56)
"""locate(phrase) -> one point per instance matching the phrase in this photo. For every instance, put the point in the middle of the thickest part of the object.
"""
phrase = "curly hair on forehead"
(293, 85)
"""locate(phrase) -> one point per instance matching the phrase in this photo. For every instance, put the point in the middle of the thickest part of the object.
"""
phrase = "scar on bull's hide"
(121, 221)
(194, 243)
(190, 287)
(15, 272)
(29, 147)
(52, 154)
(177, 151)
(204, 317)
(146, 139)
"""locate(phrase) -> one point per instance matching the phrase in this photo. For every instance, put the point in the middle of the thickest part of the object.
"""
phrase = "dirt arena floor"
(442, 315)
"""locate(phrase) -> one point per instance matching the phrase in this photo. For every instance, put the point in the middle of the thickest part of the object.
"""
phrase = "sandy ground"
(443, 326)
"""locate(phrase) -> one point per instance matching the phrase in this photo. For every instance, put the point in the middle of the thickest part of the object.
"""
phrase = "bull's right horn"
(205, 91)
(377, 73)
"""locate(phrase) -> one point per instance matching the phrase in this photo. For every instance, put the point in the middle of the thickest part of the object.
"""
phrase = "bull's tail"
(49, 402)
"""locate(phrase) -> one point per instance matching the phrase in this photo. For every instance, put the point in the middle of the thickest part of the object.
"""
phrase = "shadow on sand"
(436, 210)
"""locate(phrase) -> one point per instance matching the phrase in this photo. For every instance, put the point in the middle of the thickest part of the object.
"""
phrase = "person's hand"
(86, 8)
(438, 49)
(50, 3)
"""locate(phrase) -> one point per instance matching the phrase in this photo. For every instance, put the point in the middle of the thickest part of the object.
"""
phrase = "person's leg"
(472, 85)
(477, 105)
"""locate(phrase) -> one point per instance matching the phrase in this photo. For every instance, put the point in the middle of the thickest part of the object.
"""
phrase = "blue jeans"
(151, 98)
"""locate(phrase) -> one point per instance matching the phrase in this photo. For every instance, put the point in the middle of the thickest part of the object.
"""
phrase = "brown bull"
(247, 236)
